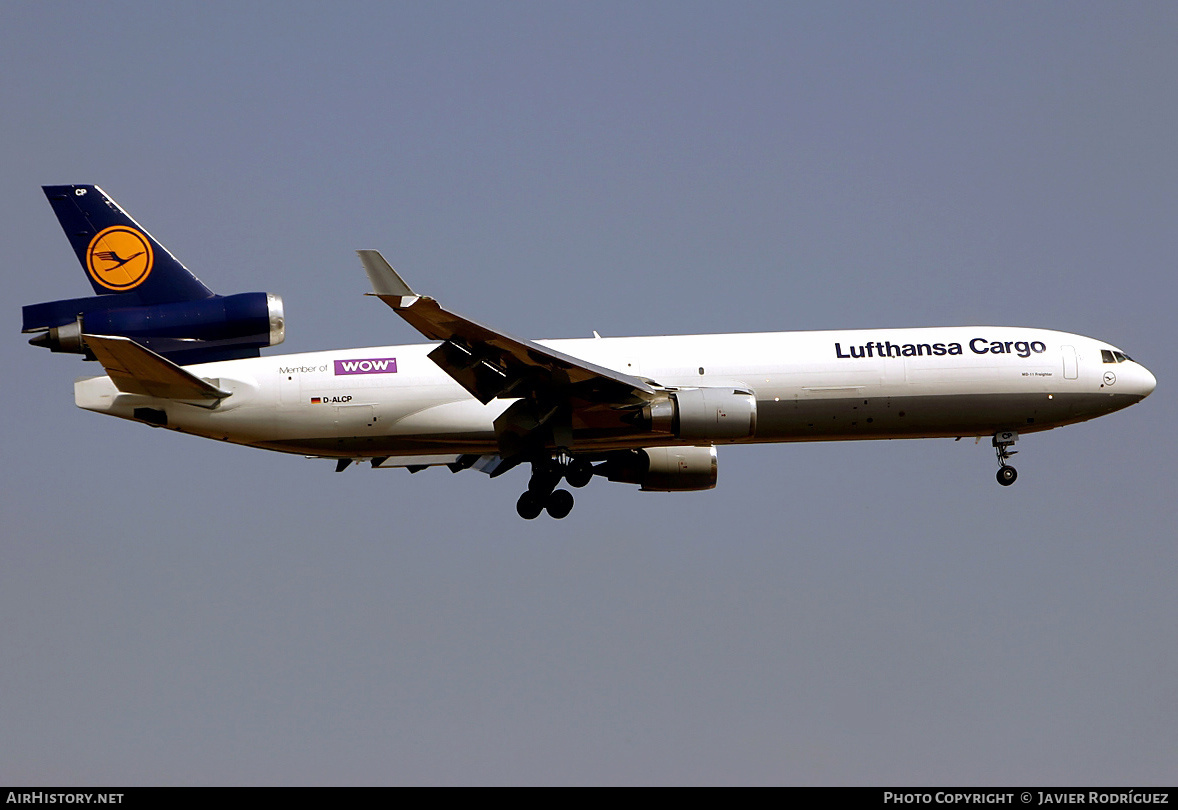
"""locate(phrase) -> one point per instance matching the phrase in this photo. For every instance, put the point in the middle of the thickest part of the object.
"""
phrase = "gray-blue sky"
(179, 611)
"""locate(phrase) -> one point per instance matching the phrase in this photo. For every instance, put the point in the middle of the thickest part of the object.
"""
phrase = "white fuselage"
(809, 386)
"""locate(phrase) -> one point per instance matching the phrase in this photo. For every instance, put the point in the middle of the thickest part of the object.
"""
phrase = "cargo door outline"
(355, 420)
(1071, 366)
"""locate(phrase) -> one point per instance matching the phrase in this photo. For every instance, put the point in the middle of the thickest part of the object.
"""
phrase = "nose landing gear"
(1002, 442)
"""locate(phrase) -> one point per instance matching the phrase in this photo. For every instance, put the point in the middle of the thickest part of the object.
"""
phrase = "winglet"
(386, 284)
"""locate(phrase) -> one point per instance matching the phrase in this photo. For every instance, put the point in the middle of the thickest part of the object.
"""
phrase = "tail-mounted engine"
(214, 328)
(143, 292)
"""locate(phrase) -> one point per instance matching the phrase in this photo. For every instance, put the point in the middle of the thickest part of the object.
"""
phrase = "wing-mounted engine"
(704, 414)
(663, 469)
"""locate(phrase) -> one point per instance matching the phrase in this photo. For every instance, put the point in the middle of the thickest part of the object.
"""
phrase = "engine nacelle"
(245, 315)
(704, 414)
(218, 327)
(663, 469)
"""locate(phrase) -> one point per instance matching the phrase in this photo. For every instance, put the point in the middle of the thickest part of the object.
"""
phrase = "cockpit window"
(1111, 356)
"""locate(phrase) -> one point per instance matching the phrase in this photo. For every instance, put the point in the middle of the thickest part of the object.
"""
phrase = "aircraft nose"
(1148, 382)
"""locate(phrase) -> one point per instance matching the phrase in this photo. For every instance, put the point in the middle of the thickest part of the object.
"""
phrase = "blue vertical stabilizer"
(118, 255)
(144, 293)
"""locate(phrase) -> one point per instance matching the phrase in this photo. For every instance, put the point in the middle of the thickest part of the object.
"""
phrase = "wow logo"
(119, 258)
(376, 365)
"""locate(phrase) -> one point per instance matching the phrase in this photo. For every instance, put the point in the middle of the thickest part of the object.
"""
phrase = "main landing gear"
(1002, 442)
(542, 494)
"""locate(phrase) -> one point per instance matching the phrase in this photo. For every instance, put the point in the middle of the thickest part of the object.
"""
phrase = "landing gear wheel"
(530, 505)
(560, 503)
(542, 482)
(579, 473)
(1002, 442)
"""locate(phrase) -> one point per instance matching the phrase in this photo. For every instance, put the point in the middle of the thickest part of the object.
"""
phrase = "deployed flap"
(491, 364)
(137, 370)
(420, 462)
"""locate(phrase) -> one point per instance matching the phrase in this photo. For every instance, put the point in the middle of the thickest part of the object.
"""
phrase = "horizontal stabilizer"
(137, 370)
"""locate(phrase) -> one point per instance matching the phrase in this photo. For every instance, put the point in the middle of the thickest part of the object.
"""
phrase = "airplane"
(649, 411)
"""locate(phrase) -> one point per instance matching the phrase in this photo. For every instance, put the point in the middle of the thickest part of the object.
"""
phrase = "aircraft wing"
(135, 369)
(491, 364)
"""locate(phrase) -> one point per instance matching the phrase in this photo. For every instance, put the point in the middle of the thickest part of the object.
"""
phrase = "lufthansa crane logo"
(119, 258)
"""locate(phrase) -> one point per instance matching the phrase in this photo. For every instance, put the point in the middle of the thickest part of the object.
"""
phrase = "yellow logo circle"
(119, 258)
